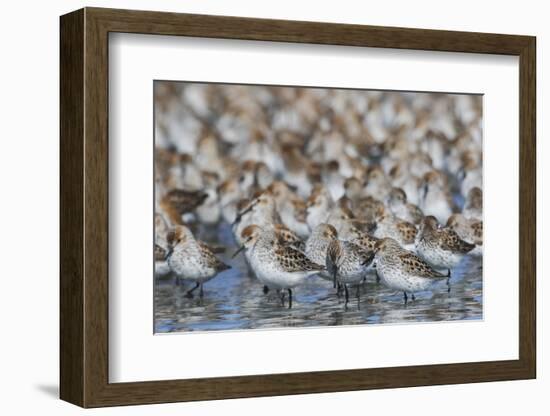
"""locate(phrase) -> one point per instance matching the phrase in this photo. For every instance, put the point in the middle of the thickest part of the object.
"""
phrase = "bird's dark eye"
(241, 179)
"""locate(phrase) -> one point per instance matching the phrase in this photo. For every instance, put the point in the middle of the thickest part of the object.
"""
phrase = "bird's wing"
(407, 231)
(452, 242)
(414, 265)
(293, 260)
(287, 237)
(213, 249)
(211, 258)
(366, 242)
(185, 201)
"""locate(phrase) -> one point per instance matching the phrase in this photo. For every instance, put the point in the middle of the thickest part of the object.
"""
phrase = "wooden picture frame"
(84, 207)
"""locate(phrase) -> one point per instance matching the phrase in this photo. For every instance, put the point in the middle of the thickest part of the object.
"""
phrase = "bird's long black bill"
(424, 191)
(243, 213)
(168, 253)
(241, 248)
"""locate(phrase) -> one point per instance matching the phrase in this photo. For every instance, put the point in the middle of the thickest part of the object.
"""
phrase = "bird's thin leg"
(282, 295)
(289, 298)
(201, 293)
(266, 289)
(338, 288)
(412, 297)
(405, 297)
(189, 293)
(448, 285)
(347, 293)
(377, 277)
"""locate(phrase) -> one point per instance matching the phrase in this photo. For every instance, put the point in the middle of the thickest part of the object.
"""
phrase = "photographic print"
(292, 207)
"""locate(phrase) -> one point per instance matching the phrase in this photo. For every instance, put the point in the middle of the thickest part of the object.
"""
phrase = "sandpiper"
(294, 173)
(398, 205)
(435, 198)
(178, 202)
(317, 244)
(288, 237)
(402, 270)
(367, 243)
(229, 195)
(353, 189)
(468, 229)
(264, 176)
(388, 225)
(441, 247)
(247, 178)
(209, 212)
(276, 265)
(401, 177)
(184, 174)
(348, 264)
(318, 207)
(209, 156)
(192, 260)
(377, 184)
(334, 180)
(367, 209)
(340, 214)
(162, 247)
(471, 175)
(261, 211)
(473, 207)
(291, 208)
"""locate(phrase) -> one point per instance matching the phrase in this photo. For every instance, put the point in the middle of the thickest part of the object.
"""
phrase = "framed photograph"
(257, 207)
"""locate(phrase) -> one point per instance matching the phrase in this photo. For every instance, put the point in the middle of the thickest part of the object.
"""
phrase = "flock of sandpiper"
(340, 184)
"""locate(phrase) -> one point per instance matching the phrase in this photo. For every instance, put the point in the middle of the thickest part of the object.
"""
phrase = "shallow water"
(234, 300)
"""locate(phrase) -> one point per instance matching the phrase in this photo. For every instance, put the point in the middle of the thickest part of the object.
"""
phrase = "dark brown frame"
(84, 207)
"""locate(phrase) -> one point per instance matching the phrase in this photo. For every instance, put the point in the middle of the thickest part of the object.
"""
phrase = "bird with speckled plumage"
(276, 265)
(402, 270)
(317, 245)
(469, 230)
(192, 260)
(388, 225)
(398, 205)
(441, 247)
(348, 264)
